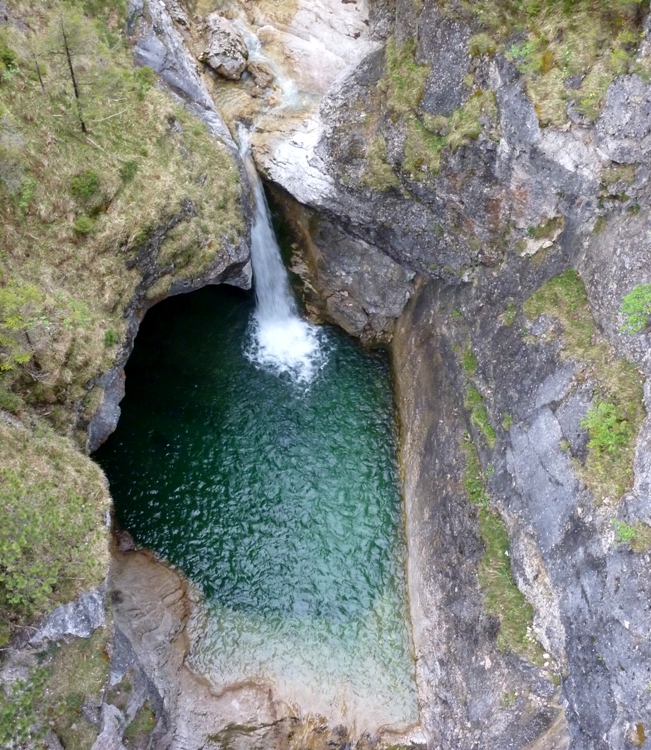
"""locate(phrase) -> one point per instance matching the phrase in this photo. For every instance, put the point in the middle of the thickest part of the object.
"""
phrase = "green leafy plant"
(638, 537)
(111, 338)
(85, 186)
(84, 225)
(19, 704)
(623, 531)
(607, 428)
(636, 307)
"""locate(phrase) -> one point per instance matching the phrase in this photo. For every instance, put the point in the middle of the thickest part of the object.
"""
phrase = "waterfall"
(279, 339)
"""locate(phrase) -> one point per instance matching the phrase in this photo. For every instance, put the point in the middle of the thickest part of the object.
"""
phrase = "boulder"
(262, 74)
(226, 52)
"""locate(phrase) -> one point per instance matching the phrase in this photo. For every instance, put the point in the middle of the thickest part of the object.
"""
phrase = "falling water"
(279, 340)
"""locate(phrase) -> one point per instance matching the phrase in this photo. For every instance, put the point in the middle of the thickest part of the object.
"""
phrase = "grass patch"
(76, 207)
(474, 403)
(510, 314)
(54, 693)
(142, 724)
(422, 150)
(638, 537)
(79, 669)
(52, 537)
(404, 80)
(592, 40)
(378, 174)
(473, 479)
(636, 308)
(502, 597)
(618, 413)
(469, 361)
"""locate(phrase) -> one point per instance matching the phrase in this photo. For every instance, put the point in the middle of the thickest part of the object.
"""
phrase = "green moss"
(422, 150)
(547, 229)
(469, 361)
(636, 307)
(474, 403)
(510, 314)
(618, 414)
(507, 421)
(502, 597)
(599, 225)
(378, 174)
(404, 80)
(618, 173)
(142, 724)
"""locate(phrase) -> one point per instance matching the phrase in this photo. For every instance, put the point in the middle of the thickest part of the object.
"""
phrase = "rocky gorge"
(443, 202)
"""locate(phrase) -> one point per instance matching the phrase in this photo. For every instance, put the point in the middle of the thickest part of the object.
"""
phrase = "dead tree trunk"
(74, 79)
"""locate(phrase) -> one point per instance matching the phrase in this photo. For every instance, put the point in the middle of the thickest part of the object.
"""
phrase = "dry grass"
(378, 174)
(149, 155)
(593, 39)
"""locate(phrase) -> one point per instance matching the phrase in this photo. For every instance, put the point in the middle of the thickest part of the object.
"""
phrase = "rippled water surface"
(280, 502)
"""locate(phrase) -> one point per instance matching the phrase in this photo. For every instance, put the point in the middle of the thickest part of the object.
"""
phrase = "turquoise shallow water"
(280, 502)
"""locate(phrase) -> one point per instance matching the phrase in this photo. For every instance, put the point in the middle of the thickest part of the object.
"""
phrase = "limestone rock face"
(226, 52)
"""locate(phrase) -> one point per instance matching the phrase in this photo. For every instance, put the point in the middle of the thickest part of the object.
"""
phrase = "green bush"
(607, 428)
(40, 537)
(84, 225)
(128, 170)
(111, 338)
(636, 306)
(85, 186)
(21, 310)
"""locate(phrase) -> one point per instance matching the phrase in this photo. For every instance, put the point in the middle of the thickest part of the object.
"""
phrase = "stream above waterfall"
(280, 501)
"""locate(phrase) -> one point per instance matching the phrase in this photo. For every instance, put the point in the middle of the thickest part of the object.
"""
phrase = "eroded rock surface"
(226, 52)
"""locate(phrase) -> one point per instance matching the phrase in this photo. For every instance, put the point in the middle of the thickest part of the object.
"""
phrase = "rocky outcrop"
(226, 52)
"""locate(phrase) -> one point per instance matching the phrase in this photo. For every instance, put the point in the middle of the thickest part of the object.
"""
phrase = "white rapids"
(279, 339)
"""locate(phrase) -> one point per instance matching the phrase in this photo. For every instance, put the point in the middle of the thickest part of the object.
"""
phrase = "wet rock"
(226, 52)
(262, 74)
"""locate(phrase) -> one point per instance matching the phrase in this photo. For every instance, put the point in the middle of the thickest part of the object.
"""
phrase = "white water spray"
(279, 339)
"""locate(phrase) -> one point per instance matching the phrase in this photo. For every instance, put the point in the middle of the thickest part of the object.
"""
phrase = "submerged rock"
(226, 52)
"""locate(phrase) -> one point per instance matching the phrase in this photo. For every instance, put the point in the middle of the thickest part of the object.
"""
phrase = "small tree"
(68, 40)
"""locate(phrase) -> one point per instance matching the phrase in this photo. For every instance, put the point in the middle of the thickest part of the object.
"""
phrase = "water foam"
(278, 339)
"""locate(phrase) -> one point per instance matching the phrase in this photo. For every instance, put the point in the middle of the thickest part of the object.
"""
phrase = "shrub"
(636, 306)
(607, 428)
(21, 310)
(111, 338)
(84, 225)
(85, 186)
(128, 170)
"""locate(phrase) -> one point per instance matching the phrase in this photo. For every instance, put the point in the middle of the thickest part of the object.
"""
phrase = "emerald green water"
(281, 502)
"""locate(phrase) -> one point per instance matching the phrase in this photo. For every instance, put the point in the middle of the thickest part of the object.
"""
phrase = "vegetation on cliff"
(617, 413)
(569, 51)
(94, 160)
